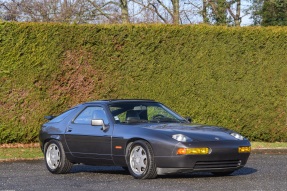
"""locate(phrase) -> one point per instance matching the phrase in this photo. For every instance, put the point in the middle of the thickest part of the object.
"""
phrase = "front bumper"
(223, 157)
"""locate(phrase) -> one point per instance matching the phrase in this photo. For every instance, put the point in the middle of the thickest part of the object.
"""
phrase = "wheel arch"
(129, 144)
(130, 141)
(52, 137)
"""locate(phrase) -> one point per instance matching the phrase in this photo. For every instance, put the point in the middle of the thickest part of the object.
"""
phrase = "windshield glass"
(143, 112)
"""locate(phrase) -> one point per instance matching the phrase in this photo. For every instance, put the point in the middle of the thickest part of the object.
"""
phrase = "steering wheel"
(158, 116)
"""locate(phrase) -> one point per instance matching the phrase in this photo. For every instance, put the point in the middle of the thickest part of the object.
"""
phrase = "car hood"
(195, 131)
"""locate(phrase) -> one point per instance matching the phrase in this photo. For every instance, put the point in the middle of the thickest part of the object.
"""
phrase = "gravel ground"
(262, 172)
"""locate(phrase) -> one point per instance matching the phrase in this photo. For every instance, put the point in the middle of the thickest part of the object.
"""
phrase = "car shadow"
(99, 169)
(119, 170)
(241, 172)
(245, 171)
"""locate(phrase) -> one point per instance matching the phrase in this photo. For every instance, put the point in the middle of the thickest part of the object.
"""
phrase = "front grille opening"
(217, 164)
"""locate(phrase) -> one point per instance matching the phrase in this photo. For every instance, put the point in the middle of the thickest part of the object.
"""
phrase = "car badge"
(216, 138)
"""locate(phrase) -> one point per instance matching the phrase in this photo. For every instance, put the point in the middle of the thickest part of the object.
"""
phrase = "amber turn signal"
(244, 149)
(192, 151)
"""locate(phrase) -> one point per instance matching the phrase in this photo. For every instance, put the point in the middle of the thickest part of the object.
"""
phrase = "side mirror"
(188, 119)
(100, 122)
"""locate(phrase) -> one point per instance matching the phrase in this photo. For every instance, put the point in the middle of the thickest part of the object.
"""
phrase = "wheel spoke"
(138, 160)
(53, 156)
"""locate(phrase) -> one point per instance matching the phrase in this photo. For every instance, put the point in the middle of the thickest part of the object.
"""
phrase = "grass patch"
(19, 152)
(258, 145)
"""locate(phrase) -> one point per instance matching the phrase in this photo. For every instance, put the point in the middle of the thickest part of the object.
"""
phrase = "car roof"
(119, 101)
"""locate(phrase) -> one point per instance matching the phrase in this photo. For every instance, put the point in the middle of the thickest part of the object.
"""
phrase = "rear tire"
(55, 158)
(140, 160)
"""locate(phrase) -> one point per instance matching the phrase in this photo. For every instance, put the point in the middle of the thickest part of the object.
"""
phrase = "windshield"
(143, 112)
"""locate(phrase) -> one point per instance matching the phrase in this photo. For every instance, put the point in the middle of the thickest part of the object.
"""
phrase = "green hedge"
(231, 77)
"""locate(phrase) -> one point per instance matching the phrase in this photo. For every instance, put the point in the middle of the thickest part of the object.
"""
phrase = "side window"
(90, 113)
(117, 113)
(121, 117)
(62, 116)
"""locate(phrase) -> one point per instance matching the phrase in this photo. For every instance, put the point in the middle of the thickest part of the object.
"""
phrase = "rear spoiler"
(49, 117)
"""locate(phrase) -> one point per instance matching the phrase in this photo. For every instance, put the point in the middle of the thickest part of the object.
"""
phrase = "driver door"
(87, 141)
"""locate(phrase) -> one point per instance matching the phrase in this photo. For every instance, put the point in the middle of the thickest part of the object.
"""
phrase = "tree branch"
(165, 7)
(158, 14)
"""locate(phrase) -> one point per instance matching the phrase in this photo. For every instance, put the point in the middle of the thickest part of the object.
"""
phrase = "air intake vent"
(217, 164)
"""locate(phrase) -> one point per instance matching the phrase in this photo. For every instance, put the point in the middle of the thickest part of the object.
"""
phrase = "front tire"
(140, 160)
(55, 158)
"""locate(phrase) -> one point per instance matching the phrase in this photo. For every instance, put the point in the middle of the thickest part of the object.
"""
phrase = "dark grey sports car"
(143, 136)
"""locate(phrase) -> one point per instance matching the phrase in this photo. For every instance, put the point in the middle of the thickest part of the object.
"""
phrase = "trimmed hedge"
(231, 77)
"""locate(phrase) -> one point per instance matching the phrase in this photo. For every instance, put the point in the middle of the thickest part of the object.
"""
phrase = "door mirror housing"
(100, 122)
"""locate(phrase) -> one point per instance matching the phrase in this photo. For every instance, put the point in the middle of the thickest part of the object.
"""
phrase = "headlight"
(237, 136)
(181, 138)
